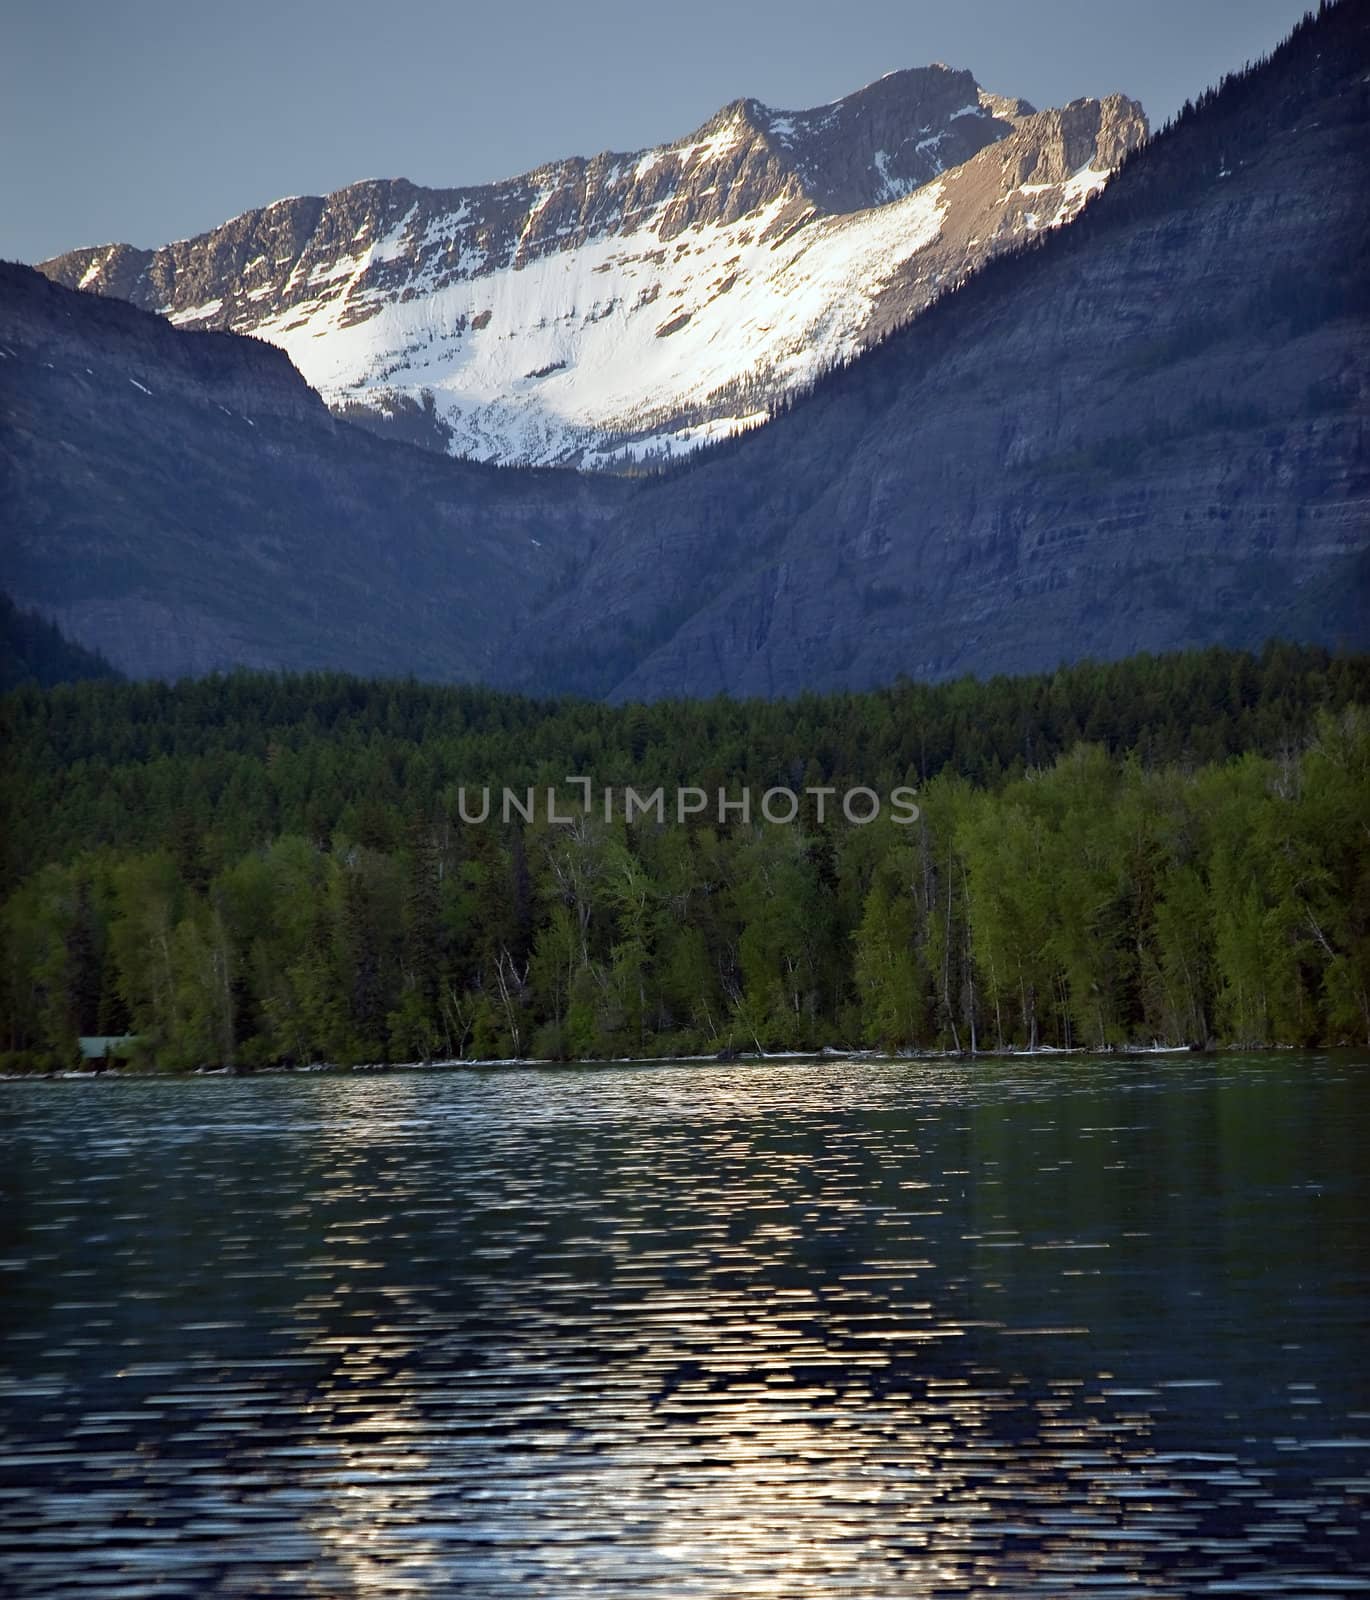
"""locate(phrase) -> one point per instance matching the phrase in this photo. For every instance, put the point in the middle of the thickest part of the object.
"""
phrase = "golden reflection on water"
(710, 1427)
(838, 1330)
(757, 1494)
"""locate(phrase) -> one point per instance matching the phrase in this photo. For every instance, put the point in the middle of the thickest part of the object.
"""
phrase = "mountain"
(1147, 432)
(184, 501)
(634, 305)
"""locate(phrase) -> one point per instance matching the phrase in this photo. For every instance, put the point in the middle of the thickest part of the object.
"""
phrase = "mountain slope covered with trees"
(33, 650)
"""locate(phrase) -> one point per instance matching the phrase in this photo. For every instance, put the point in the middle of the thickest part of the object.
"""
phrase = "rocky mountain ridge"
(632, 305)
(1145, 431)
(184, 502)
(1148, 432)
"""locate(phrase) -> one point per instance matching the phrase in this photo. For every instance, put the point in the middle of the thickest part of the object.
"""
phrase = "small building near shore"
(100, 1046)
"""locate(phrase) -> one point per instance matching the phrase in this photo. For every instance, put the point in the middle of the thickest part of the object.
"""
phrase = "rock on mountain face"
(634, 305)
(1149, 433)
(184, 501)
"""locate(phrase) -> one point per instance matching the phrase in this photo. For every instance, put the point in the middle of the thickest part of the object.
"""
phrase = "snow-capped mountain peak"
(633, 304)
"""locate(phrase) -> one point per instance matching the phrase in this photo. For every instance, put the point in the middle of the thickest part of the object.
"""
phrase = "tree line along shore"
(253, 870)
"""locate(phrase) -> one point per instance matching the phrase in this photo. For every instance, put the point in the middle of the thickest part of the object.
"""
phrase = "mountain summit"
(634, 305)
(1146, 434)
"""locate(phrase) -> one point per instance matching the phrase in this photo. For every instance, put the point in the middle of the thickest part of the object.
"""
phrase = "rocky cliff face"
(1149, 433)
(184, 502)
(630, 305)
(50, 332)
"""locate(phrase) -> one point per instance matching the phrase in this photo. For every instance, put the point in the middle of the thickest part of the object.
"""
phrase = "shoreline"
(733, 1059)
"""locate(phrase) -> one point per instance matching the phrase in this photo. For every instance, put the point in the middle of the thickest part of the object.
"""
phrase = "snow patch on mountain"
(602, 339)
(634, 305)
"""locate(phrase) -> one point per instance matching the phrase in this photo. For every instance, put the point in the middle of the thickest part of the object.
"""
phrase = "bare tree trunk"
(946, 964)
(507, 976)
(998, 1009)
(969, 959)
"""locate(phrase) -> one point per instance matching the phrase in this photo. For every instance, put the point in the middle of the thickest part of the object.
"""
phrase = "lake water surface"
(780, 1329)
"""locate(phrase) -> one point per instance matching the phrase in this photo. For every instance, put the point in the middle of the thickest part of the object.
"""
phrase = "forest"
(34, 651)
(251, 870)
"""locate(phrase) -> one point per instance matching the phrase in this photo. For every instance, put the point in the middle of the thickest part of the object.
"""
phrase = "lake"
(1033, 1327)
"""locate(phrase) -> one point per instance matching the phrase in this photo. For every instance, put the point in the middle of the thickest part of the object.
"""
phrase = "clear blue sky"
(144, 121)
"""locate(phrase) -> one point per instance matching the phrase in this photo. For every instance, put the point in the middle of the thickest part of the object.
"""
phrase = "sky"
(146, 121)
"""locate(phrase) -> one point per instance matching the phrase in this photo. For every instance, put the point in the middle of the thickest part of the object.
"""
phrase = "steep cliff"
(633, 305)
(1148, 432)
(184, 501)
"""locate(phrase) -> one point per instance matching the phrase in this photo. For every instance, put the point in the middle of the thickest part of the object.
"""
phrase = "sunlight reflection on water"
(818, 1329)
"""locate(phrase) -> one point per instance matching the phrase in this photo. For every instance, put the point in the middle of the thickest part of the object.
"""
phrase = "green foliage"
(890, 961)
(254, 870)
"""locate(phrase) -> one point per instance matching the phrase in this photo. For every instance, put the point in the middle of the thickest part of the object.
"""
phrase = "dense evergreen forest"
(34, 650)
(252, 869)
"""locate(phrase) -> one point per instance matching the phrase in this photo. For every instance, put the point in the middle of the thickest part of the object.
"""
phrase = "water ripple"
(814, 1329)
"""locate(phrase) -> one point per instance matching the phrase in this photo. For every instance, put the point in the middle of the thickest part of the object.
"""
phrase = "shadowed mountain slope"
(635, 304)
(1146, 433)
(184, 501)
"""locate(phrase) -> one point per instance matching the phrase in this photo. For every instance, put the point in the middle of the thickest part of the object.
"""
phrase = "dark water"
(1033, 1328)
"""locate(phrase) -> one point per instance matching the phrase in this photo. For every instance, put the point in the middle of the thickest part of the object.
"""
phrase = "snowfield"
(605, 338)
(634, 305)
